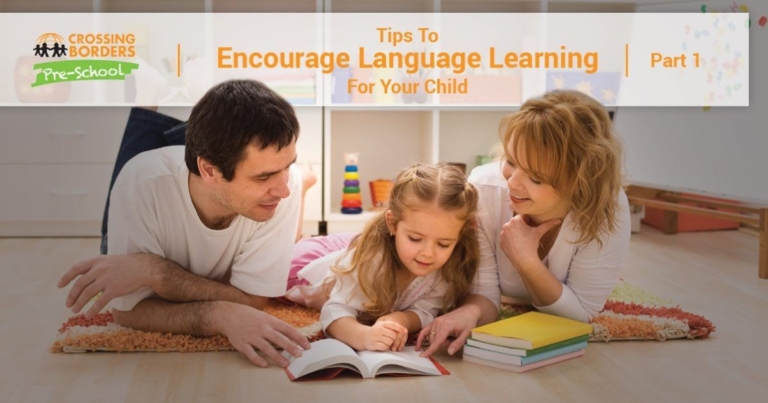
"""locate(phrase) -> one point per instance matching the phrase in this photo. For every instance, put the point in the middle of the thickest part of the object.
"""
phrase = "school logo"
(83, 56)
(58, 48)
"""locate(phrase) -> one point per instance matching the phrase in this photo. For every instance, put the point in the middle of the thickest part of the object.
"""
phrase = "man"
(200, 236)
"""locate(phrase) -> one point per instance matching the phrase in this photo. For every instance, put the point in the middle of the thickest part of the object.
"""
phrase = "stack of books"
(528, 341)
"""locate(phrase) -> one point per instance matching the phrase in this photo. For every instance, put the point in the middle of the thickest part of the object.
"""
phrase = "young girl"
(409, 263)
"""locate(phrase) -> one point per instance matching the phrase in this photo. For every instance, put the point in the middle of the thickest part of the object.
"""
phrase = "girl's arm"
(407, 319)
(339, 319)
(378, 337)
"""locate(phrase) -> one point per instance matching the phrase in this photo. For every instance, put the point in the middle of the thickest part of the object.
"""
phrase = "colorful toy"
(351, 202)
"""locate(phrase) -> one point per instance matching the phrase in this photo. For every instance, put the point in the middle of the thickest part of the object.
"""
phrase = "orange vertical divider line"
(178, 60)
(626, 60)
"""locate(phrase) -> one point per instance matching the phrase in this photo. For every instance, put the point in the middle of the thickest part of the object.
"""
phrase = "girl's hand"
(520, 241)
(383, 335)
(402, 336)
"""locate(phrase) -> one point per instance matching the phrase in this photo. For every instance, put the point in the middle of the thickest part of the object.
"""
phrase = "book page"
(398, 362)
(327, 353)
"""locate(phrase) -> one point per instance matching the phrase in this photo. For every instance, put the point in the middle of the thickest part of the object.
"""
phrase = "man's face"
(259, 183)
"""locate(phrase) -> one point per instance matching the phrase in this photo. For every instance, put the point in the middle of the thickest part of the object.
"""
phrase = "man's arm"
(119, 275)
(246, 328)
(172, 283)
(156, 315)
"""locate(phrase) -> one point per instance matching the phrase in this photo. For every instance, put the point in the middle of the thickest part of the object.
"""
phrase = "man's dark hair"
(233, 115)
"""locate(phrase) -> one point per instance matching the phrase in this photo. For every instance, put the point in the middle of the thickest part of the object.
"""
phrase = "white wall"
(722, 151)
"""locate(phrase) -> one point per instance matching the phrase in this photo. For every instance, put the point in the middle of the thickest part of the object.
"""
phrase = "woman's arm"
(592, 272)
(592, 276)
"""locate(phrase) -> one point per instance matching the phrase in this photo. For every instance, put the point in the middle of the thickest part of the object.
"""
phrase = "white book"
(331, 354)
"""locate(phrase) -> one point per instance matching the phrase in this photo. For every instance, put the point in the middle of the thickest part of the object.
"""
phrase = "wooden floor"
(712, 274)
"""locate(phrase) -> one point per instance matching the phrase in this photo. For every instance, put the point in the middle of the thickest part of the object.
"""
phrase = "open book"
(329, 357)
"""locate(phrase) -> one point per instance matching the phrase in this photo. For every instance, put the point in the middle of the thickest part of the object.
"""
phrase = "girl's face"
(528, 195)
(425, 238)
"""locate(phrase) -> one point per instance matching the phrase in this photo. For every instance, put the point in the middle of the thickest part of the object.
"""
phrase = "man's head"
(241, 140)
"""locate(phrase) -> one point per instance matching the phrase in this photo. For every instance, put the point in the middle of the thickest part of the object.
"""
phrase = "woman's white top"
(588, 273)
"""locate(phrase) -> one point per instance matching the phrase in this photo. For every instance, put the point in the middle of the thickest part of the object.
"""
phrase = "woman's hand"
(520, 241)
(458, 323)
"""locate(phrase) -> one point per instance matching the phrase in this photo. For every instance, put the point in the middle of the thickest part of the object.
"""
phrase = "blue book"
(517, 360)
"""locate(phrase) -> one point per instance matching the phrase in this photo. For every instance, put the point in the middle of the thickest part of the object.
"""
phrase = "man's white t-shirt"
(151, 211)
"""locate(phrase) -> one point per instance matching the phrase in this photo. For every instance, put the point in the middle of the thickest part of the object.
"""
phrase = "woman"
(554, 221)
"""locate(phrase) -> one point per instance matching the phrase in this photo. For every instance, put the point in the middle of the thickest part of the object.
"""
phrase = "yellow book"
(530, 330)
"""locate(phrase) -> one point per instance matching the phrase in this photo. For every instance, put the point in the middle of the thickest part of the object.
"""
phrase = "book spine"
(546, 341)
(553, 353)
(492, 356)
(525, 353)
(498, 349)
(524, 368)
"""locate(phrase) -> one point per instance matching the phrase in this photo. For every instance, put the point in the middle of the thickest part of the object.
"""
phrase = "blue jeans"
(146, 130)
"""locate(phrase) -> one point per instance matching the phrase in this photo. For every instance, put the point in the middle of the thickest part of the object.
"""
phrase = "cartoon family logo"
(103, 45)
(58, 48)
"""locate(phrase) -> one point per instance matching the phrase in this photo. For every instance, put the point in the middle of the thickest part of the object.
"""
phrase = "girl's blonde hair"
(375, 258)
(567, 141)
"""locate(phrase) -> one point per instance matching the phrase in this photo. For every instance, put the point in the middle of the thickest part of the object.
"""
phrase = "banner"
(402, 60)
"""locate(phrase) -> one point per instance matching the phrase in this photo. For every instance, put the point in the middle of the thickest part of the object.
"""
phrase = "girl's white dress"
(423, 296)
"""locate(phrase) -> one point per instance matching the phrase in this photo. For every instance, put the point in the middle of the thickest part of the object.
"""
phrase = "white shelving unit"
(389, 140)
(392, 137)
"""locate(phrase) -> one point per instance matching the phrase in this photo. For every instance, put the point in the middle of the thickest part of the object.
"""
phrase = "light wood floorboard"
(713, 274)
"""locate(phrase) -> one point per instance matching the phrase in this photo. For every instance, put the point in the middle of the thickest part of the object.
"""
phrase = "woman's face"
(528, 195)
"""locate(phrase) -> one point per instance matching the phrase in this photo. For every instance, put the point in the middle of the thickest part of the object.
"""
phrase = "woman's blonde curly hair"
(566, 140)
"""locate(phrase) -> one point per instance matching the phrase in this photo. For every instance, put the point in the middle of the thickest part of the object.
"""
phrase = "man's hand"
(112, 275)
(383, 335)
(249, 329)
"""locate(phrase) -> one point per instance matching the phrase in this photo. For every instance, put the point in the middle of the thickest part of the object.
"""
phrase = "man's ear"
(389, 217)
(208, 171)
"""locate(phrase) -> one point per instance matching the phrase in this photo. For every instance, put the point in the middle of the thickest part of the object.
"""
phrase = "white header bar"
(365, 60)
